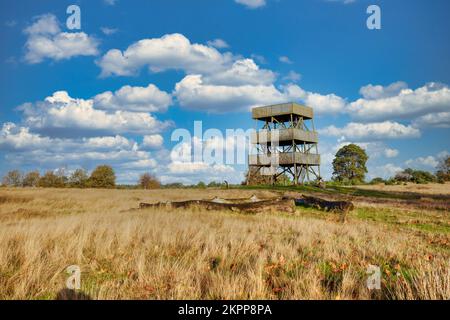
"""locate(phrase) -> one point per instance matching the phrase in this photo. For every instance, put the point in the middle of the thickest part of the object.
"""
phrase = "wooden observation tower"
(286, 143)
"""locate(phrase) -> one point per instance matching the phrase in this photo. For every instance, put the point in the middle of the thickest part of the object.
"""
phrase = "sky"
(137, 77)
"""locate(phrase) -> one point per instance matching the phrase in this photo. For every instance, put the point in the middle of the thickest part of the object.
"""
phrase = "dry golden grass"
(148, 254)
(429, 188)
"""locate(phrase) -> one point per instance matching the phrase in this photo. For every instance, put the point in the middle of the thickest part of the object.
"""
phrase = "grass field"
(430, 188)
(195, 254)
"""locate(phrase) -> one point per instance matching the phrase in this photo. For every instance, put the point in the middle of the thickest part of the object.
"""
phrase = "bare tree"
(149, 181)
(79, 179)
(443, 169)
(13, 179)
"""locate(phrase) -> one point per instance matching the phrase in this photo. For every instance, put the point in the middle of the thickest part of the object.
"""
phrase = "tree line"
(102, 176)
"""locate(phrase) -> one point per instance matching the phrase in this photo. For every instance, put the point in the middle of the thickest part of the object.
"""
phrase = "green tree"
(201, 185)
(214, 184)
(52, 180)
(174, 185)
(12, 179)
(31, 179)
(102, 177)
(79, 179)
(416, 176)
(349, 164)
(149, 181)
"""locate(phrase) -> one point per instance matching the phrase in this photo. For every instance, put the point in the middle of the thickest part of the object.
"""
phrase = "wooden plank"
(283, 109)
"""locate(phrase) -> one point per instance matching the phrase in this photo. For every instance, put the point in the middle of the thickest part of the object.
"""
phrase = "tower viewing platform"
(288, 133)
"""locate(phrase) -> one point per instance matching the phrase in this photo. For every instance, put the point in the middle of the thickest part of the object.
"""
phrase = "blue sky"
(114, 91)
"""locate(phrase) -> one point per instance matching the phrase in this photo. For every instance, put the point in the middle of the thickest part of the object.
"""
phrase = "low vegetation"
(196, 254)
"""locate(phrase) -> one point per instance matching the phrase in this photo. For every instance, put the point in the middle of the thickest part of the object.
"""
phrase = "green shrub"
(377, 180)
(415, 176)
(201, 185)
(102, 177)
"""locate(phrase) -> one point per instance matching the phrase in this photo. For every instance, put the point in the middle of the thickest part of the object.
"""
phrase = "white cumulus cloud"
(422, 162)
(45, 40)
(172, 51)
(371, 92)
(192, 92)
(152, 141)
(372, 131)
(242, 72)
(437, 120)
(61, 114)
(13, 137)
(321, 103)
(137, 99)
(395, 101)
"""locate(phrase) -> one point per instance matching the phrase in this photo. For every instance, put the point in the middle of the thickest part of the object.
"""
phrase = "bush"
(377, 180)
(52, 180)
(214, 184)
(442, 177)
(79, 179)
(424, 177)
(391, 182)
(102, 177)
(149, 181)
(415, 176)
(201, 185)
(13, 179)
(174, 185)
(403, 176)
(31, 179)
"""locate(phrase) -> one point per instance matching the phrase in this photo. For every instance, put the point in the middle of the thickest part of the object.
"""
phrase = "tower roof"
(282, 111)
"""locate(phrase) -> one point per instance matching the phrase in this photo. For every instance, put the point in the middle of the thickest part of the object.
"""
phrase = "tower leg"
(295, 174)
